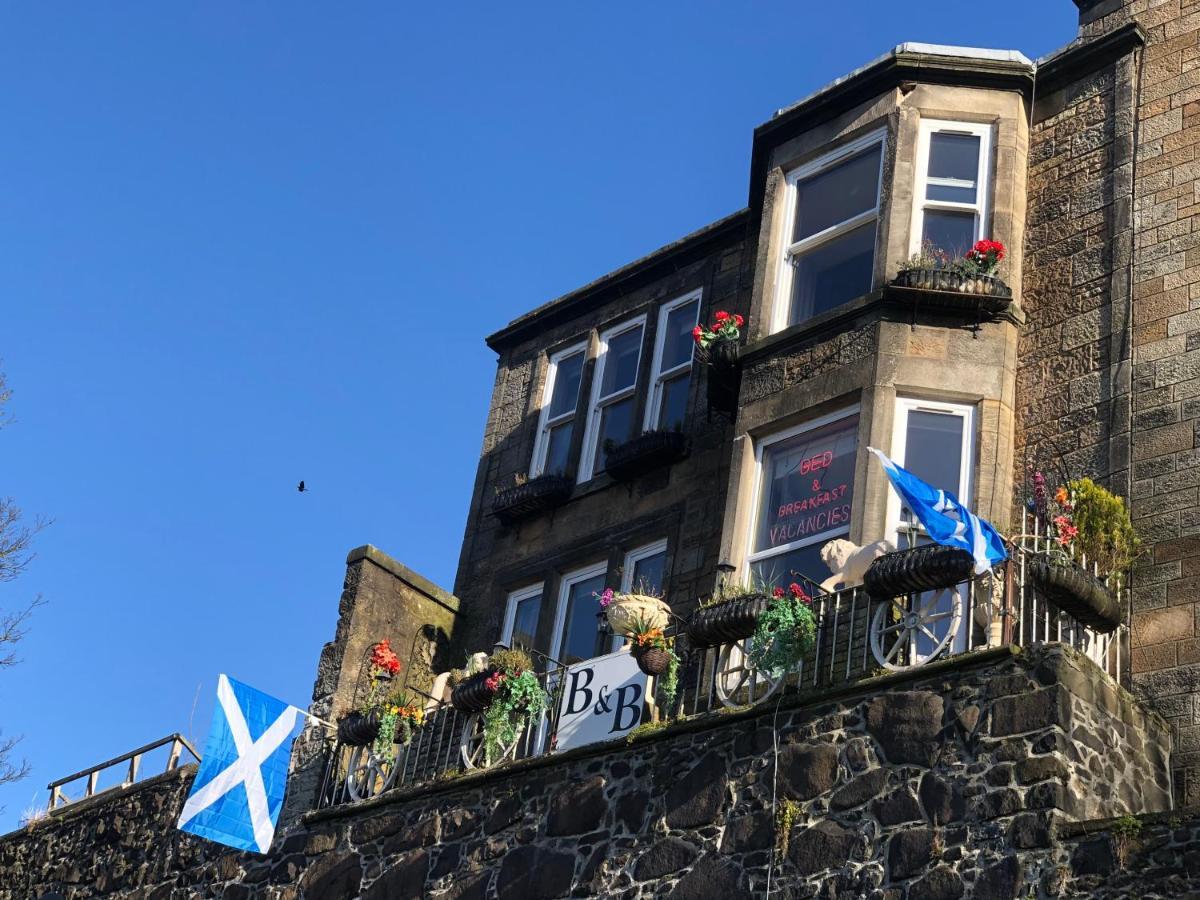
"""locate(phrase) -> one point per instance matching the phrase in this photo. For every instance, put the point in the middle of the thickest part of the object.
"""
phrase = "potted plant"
(361, 726)
(516, 696)
(625, 611)
(785, 631)
(648, 451)
(655, 655)
(1090, 535)
(527, 497)
(718, 347)
(730, 615)
(933, 269)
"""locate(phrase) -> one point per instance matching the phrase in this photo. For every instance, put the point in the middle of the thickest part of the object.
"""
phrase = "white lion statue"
(849, 562)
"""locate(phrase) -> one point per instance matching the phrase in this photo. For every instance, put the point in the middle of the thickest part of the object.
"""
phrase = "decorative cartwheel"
(729, 626)
(922, 603)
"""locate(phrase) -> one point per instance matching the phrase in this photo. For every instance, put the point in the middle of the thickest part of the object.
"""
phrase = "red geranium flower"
(722, 316)
(777, 593)
(799, 593)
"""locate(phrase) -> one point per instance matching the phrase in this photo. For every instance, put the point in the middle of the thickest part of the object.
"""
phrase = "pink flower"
(606, 598)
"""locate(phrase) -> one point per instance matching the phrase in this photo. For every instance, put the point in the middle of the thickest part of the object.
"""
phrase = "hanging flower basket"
(1076, 592)
(724, 374)
(918, 569)
(358, 729)
(726, 622)
(528, 499)
(472, 694)
(626, 611)
(649, 450)
(652, 660)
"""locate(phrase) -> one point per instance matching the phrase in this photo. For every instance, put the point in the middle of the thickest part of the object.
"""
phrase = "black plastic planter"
(726, 622)
(1076, 592)
(472, 695)
(724, 375)
(357, 729)
(532, 497)
(918, 569)
(648, 451)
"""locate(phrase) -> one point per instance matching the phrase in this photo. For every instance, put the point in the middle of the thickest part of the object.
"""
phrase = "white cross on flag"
(238, 791)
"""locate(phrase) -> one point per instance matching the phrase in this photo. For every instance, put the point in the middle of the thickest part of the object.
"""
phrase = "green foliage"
(1106, 534)
(1126, 826)
(387, 733)
(783, 636)
(512, 661)
(517, 698)
(668, 684)
(784, 820)
(646, 728)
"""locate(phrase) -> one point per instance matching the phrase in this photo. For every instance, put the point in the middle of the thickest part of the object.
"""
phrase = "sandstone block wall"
(950, 782)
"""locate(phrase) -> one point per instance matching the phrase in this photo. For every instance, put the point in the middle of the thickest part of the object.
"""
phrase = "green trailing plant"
(399, 714)
(785, 818)
(668, 685)
(518, 695)
(645, 637)
(785, 632)
(514, 660)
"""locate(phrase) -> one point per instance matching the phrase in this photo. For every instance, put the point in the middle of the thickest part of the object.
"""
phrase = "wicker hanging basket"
(472, 694)
(726, 622)
(1076, 592)
(918, 569)
(652, 660)
(358, 729)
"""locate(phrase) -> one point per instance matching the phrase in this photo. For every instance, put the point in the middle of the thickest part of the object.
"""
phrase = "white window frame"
(657, 376)
(632, 558)
(905, 406)
(597, 403)
(983, 179)
(515, 599)
(564, 589)
(541, 443)
(756, 497)
(790, 250)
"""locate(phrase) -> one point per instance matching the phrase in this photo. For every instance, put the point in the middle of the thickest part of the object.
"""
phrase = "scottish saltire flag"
(945, 519)
(238, 790)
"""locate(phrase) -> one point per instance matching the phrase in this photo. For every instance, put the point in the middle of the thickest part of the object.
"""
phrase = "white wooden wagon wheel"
(472, 745)
(896, 628)
(739, 681)
(368, 773)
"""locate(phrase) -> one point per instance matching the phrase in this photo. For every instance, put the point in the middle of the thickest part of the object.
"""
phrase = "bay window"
(951, 192)
(672, 371)
(805, 490)
(832, 220)
(614, 394)
(556, 423)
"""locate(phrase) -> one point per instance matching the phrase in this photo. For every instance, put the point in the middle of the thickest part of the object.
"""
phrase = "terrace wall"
(949, 781)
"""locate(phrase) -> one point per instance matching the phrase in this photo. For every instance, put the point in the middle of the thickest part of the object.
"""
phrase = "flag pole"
(309, 715)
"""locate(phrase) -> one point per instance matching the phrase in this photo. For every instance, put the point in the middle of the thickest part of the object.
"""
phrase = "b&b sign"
(602, 700)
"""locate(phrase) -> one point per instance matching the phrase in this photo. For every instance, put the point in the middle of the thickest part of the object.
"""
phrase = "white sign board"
(602, 700)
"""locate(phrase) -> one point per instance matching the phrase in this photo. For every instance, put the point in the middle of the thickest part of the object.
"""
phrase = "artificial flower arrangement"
(516, 696)
(983, 258)
(655, 655)
(785, 631)
(726, 327)
(400, 714)
(364, 724)
(624, 611)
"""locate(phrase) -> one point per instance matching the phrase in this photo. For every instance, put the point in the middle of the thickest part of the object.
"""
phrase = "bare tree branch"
(11, 771)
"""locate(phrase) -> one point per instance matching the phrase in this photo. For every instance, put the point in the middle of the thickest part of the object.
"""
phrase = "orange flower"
(1061, 497)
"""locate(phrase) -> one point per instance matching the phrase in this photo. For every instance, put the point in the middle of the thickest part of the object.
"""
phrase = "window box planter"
(472, 694)
(1076, 592)
(357, 729)
(939, 287)
(646, 452)
(726, 622)
(534, 496)
(652, 660)
(724, 375)
(918, 569)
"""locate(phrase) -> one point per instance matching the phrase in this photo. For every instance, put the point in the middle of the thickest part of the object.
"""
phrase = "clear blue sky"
(248, 243)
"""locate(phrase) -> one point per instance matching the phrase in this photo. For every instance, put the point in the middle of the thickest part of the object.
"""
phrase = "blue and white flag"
(945, 519)
(238, 791)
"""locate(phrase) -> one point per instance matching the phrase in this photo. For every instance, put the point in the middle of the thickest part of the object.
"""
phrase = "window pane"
(834, 273)
(648, 574)
(582, 632)
(953, 232)
(566, 384)
(807, 485)
(782, 570)
(616, 425)
(621, 361)
(837, 194)
(673, 406)
(525, 622)
(953, 156)
(558, 450)
(678, 342)
(933, 448)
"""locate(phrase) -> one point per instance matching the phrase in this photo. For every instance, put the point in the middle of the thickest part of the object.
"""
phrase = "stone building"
(990, 763)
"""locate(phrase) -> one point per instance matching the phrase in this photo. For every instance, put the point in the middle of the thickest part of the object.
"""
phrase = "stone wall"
(1154, 857)
(1166, 355)
(948, 782)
